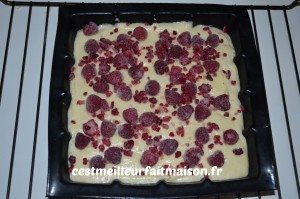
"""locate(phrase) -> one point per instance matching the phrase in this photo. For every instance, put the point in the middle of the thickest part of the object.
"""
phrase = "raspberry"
(175, 52)
(90, 128)
(88, 72)
(160, 67)
(211, 66)
(120, 60)
(202, 135)
(196, 69)
(105, 43)
(189, 89)
(197, 42)
(72, 159)
(238, 151)
(172, 97)
(108, 128)
(94, 103)
(168, 146)
(184, 38)
(126, 131)
(147, 118)
(230, 136)
(152, 87)
(185, 112)
(216, 159)
(81, 141)
(202, 112)
(164, 34)
(221, 102)
(162, 48)
(205, 88)
(149, 158)
(185, 60)
(100, 86)
(114, 78)
(104, 68)
(129, 144)
(192, 156)
(213, 40)
(136, 72)
(130, 115)
(97, 162)
(91, 46)
(90, 29)
(140, 33)
(113, 155)
(124, 93)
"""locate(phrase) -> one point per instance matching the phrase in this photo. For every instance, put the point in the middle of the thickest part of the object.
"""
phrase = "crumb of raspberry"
(91, 46)
(202, 112)
(124, 93)
(184, 38)
(162, 48)
(104, 68)
(108, 128)
(202, 135)
(90, 29)
(192, 156)
(222, 102)
(177, 154)
(136, 72)
(230, 136)
(88, 72)
(152, 87)
(140, 33)
(238, 151)
(113, 155)
(175, 52)
(160, 67)
(172, 97)
(97, 162)
(100, 86)
(114, 78)
(72, 159)
(185, 112)
(126, 131)
(81, 141)
(90, 128)
(213, 40)
(147, 118)
(149, 158)
(168, 146)
(106, 141)
(205, 88)
(189, 89)
(211, 66)
(216, 159)
(129, 144)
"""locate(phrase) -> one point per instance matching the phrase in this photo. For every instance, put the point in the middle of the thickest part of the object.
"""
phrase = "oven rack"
(27, 38)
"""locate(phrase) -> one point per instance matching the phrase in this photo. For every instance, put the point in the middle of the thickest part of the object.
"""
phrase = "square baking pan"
(262, 168)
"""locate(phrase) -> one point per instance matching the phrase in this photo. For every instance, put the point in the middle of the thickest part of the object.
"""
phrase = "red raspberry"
(230, 136)
(100, 86)
(136, 72)
(213, 40)
(175, 52)
(88, 72)
(130, 115)
(216, 159)
(114, 78)
(189, 89)
(124, 93)
(222, 103)
(202, 135)
(168, 146)
(160, 67)
(91, 46)
(104, 68)
(97, 162)
(238, 151)
(90, 128)
(120, 60)
(140, 33)
(202, 112)
(184, 38)
(172, 97)
(147, 118)
(129, 144)
(211, 66)
(197, 42)
(185, 112)
(192, 156)
(162, 48)
(152, 87)
(185, 60)
(205, 88)
(113, 155)
(164, 34)
(108, 128)
(126, 131)
(149, 158)
(72, 159)
(81, 141)
(94, 103)
(105, 43)
(90, 29)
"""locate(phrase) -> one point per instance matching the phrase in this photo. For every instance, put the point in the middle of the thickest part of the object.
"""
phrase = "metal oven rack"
(27, 37)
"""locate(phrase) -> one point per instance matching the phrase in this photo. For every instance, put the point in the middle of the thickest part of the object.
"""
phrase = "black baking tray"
(262, 171)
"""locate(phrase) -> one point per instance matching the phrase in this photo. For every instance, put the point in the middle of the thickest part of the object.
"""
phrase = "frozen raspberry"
(149, 158)
(136, 72)
(147, 118)
(120, 60)
(126, 131)
(213, 40)
(202, 135)
(221, 102)
(185, 60)
(81, 141)
(129, 144)
(189, 89)
(184, 38)
(216, 159)
(168, 146)
(100, 86)
(152, 87)
(114, 78)
(94, 103)
(91, 46)
(113, 155)
(90, 29)
(105, 43)
(160, 67)
(238, 151)
(104, 68)
(205, 88)
(172, 97)
(140, 33)
(230, 136)
(90, 128)
(197, 42)
(211, 66)
(108, 128)
(130, 115)
(122, 37)
(124, 93)
(192, 156)
(162, 48)
(196, 69)
(202, 112)
(164, 34)
(185, 112)
(175, 52)
(97, 162)
(88, 72)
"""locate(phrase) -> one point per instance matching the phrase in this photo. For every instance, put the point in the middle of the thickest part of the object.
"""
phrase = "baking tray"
(262, 170)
